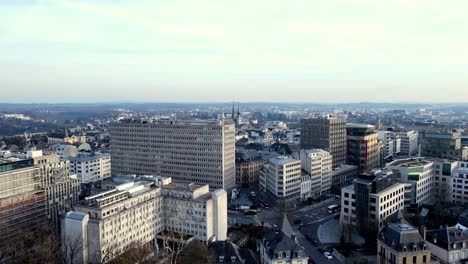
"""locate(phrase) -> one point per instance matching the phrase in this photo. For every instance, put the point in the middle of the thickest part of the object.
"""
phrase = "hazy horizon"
(337, 51)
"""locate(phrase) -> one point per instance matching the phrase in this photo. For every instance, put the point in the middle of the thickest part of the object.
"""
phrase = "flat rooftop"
(412, 162)
(281, 160)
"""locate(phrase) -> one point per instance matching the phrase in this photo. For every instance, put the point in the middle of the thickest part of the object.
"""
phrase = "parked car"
(328, 255)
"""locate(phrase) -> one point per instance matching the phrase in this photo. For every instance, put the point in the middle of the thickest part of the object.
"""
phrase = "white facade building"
(418, 172)
(374, 202)
(144, 212)
(318, 164)
(458, 191)
(91, 168)
(387, 144)
(409, 142)
(64, 151)
(280, 178)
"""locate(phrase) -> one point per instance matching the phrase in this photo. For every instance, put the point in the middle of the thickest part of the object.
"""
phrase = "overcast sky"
(268, 50)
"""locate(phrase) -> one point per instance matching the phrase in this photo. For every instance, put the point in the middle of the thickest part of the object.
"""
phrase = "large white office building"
(280, 179)
(144, 212)
(201, 152)
(419, 173)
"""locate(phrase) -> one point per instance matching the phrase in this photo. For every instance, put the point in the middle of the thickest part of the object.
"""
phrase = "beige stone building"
(248, 165)
(402, 244)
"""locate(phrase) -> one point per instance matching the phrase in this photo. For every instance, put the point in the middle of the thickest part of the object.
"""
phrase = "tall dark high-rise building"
(328, 133)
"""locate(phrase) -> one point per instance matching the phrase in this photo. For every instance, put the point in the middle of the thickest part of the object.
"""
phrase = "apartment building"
(147, 211)
(372, 200)
(201, 152)
(400, 243)
(419, 173)
(327, 133)
(91, 167)
(280, 180)
(281, 246)
(248, 165)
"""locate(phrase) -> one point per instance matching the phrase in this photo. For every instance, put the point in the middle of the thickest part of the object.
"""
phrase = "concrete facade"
(280, 179)
(91, 167)
(146, 211)
(327, 133)
(201, 152)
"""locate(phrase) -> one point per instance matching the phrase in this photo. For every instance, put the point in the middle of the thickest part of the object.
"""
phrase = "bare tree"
(137, 253)
(72, 250)
(108, 252)
(174, 245)
(196, 252)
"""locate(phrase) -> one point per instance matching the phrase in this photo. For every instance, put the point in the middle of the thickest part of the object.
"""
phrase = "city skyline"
(257, 51)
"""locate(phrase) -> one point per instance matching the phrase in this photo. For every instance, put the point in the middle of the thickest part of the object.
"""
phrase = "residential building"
(372, 200)
(327, 133)
(91, 167)
(147, 211)
(400, 243)
(309, 188)
(443, 145)
(278, 247)
(318, 164)
(362, 147)
(248, 165)
(226, 251)
(419, 173)
(201, 152)
(448, 245)
(408, 142)
(280, 180)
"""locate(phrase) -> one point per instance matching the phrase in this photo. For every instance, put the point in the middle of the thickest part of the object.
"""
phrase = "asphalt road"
(312, 216)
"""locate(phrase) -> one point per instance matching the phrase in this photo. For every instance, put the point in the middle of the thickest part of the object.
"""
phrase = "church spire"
(232, 113)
